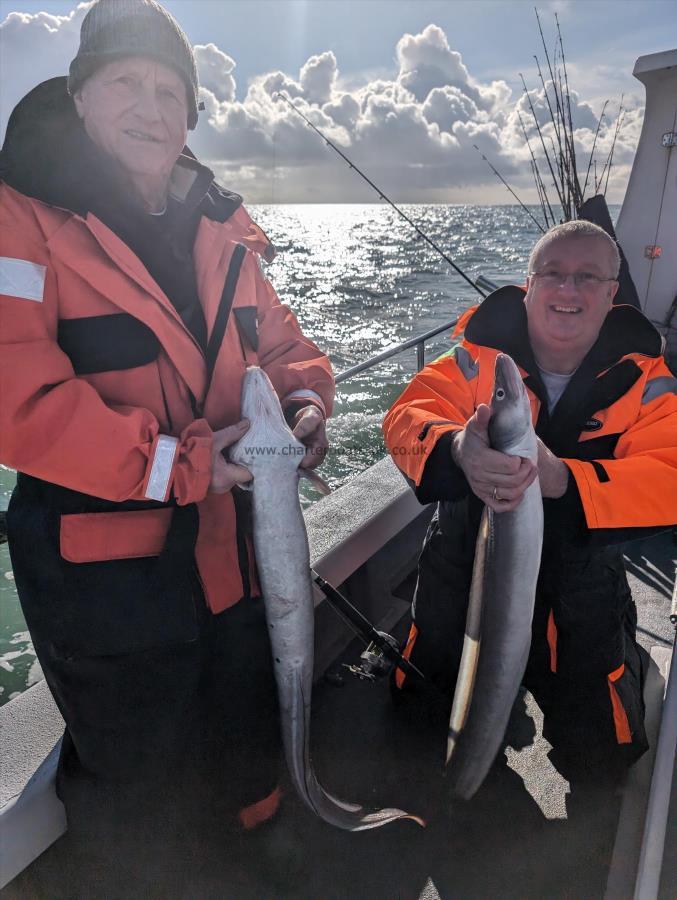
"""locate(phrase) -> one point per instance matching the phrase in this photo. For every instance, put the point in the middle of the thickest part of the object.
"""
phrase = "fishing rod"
(594, 143)
(498, 174)
(383, 196)
(538, 179)
(379, 644)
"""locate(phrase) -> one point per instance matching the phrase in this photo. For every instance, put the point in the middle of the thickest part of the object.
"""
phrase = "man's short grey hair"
(579, 228)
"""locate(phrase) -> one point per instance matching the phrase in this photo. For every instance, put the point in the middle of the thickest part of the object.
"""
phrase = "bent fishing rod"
(381, 194)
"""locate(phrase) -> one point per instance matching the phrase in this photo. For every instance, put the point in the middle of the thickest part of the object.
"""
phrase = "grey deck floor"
(511, 841)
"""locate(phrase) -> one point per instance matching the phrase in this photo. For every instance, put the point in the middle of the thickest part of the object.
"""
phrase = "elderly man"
(131, 301)
(604, 406)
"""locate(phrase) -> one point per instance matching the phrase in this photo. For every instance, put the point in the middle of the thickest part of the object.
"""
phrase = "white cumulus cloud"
(215, 71)
(33, 48)
(317, 77)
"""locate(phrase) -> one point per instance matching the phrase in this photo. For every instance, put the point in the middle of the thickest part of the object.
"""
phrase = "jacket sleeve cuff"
(565, 515)
(570, 504)
(442, 478)
(297, 400)
(193, 466)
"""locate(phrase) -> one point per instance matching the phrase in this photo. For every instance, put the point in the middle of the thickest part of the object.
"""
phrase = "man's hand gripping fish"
(498, 624)
(272, 454)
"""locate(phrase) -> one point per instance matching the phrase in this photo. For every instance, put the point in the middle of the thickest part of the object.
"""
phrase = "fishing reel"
(382, 653)
(374, 663)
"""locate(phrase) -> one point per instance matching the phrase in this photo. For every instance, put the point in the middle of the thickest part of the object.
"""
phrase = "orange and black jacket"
(110, 391)
(615, 426)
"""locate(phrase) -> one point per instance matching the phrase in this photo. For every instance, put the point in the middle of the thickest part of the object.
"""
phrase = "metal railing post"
(420, 355)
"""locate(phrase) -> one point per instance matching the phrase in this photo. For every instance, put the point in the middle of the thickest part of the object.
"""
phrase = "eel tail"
(348, 816)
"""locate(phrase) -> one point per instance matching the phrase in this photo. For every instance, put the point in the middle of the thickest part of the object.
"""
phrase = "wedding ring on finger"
(494, 494)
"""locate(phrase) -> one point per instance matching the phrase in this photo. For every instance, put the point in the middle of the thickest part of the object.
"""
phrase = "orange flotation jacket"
(108, 404)
(615, 426)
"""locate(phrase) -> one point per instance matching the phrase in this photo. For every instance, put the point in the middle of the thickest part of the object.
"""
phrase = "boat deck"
(521, 836)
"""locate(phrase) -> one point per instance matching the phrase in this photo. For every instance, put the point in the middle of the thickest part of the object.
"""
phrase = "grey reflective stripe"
(161, 469)
(659, 386)
(465, 363)
(22, 279)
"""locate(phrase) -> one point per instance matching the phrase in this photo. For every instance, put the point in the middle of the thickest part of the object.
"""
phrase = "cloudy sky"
(405, 88)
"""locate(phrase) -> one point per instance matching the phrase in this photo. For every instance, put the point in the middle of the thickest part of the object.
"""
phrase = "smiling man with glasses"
(604, 405)
(571, 287)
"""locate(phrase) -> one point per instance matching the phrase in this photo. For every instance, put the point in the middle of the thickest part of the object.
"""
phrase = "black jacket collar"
(501, 323)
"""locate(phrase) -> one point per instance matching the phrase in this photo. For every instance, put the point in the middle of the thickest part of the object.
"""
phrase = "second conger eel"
(502, 594)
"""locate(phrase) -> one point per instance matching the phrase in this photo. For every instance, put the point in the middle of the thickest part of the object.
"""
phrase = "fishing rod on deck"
(381, 194)
(382, 650)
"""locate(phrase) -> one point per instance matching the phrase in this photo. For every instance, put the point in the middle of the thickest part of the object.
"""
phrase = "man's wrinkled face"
(136, 110)
(569, 295)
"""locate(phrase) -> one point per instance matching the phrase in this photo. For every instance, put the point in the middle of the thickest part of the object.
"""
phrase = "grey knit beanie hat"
(116, 28)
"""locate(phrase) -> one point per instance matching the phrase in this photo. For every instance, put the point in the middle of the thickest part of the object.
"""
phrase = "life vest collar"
(500, 322)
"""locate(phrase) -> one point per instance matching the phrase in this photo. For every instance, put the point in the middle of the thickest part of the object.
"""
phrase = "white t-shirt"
(555, 385)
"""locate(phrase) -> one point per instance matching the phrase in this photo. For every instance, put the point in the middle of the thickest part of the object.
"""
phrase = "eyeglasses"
(584, 281)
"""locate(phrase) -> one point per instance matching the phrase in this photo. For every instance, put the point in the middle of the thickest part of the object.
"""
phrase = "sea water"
(359, 280)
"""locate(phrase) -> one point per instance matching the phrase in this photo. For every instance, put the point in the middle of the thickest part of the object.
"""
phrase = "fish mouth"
(254, 377)
(258, 396)
(507, 377)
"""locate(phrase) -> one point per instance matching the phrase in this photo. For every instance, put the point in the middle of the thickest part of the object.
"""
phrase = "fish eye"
(500, 394)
